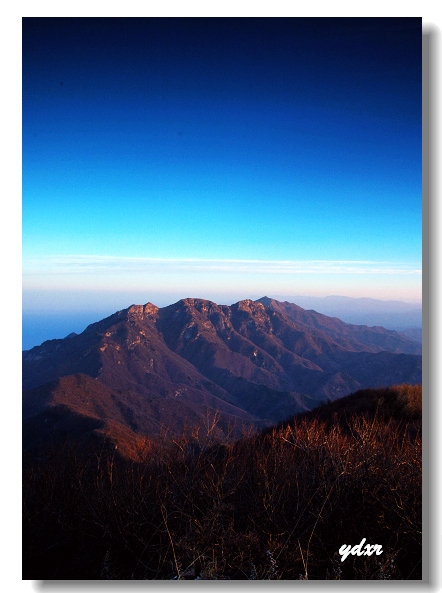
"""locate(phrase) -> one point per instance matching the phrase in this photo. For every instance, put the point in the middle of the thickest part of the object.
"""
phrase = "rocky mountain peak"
(135, 312)
(265, 300)
(150, 309)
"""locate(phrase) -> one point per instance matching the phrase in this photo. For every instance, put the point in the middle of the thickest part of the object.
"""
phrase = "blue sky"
(220, 158)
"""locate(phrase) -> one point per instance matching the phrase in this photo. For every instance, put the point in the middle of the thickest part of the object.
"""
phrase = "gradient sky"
(220, 158)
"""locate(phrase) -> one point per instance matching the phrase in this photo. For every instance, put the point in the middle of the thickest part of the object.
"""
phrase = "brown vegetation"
(274, 505)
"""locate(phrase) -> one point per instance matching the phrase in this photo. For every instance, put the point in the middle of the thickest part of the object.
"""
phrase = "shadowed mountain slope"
(82, 409)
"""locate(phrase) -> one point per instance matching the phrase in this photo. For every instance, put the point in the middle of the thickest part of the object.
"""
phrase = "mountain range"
(145, 370)
(398, 315)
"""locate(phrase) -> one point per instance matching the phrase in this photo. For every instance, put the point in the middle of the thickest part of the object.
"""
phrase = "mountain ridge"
(256, 362)
(391, 314)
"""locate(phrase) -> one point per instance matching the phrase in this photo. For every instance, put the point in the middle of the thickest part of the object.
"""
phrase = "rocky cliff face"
(255, 361)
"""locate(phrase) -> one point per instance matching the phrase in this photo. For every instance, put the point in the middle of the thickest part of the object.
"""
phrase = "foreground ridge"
(275, 505)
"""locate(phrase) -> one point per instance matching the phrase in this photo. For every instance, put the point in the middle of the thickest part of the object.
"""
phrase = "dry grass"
(277, 505)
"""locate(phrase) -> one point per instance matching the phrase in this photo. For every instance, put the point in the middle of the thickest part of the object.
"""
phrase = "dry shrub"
(410, 397)
(276, 505)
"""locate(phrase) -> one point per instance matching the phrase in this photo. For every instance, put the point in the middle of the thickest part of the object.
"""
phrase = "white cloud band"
(93, 264)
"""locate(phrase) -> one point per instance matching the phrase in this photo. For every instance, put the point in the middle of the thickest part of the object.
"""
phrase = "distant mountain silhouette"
(146, 369)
